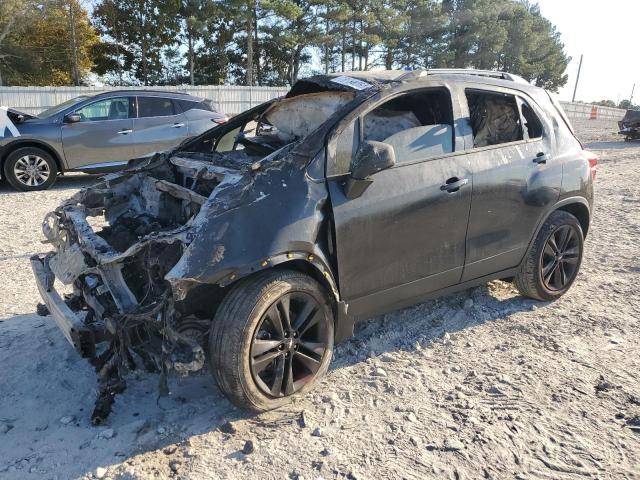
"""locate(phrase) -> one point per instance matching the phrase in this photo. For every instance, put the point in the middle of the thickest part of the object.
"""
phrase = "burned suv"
(256, 246)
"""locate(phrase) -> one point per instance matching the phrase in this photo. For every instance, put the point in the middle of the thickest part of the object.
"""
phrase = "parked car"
(257, 245)
(95, 134)
(630, 125)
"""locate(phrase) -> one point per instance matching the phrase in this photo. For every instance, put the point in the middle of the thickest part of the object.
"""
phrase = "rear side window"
(155, 107)
(418, 125)
(107, 109)
(186, 105)
(494, 117)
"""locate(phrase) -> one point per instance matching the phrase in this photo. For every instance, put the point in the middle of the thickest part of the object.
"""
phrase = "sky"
(608, 34)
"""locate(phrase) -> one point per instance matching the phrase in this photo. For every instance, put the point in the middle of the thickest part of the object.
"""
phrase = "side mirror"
(372, 157)
(72, 118)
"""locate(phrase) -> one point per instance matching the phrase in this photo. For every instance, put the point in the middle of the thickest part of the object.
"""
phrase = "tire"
(39, 169)
(550, 268)
(248, 351)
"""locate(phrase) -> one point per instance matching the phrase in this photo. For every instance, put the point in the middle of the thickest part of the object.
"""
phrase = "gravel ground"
(480, 384)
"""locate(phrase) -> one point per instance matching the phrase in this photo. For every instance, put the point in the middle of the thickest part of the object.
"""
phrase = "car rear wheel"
(271, 339)
(29, 169)
(553, 262)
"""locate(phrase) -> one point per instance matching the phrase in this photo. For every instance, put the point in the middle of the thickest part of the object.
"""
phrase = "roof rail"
(480, 73)
(143, 90)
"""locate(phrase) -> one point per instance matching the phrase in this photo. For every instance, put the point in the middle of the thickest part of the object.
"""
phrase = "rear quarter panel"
(199, 121)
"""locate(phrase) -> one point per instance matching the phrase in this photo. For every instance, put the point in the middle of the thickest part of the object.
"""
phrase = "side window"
(155, 107)
(532, 124)
(418, 125)
(495, 118)
(108, 109)
(186, 105)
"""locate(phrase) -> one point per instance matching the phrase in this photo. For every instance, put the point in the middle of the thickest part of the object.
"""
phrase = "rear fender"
(561, 205)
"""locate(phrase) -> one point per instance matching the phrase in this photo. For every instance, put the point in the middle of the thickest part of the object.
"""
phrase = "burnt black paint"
(404, 238)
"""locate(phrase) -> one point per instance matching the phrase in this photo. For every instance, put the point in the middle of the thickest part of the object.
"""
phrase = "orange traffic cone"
(594, 113)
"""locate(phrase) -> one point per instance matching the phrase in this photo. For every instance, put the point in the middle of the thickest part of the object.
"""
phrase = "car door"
(515, 177)
(102, 137)
(159, 125)
(405, 235)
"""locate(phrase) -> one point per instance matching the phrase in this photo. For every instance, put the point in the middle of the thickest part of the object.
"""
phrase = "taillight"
(592, 158)
(220, 121)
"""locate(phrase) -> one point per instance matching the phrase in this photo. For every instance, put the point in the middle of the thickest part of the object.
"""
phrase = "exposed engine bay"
(117, 272)
(129, 245)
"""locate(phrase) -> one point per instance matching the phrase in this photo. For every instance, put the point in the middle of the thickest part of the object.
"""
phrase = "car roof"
(487, 77)
(149, 93)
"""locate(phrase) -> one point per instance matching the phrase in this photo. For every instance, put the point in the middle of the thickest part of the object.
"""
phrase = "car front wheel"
(271, 339)
(553, 262)
(30, 168)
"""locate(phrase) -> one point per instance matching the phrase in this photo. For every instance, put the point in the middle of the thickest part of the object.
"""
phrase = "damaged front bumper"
(81, 337)
(122, 314)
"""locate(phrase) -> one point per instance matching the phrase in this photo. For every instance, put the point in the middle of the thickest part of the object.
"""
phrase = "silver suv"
(96, 134)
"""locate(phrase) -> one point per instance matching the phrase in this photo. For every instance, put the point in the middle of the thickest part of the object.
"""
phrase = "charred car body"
(260, 243)
(630, 125)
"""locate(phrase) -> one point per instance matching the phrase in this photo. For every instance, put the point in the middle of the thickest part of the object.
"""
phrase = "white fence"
(230, 100)
(586, 110)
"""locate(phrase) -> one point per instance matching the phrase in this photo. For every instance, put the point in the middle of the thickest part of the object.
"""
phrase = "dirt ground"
(482, 384)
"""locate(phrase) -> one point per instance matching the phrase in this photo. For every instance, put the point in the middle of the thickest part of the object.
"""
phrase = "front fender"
(278, 217)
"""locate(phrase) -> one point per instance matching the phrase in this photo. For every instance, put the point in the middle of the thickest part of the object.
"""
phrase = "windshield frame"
(61, 107)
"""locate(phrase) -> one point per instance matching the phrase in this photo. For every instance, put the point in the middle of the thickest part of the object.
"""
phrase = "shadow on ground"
(621, 145)
(71, 181)
(48, 391)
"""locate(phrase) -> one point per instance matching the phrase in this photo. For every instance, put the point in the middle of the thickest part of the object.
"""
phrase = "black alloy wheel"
(289, 344)
(560, 257)
(271, 338)
(551, 264)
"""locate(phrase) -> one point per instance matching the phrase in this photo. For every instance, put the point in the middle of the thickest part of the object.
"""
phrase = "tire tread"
(229, 329)
(526, 280)
(15, 155)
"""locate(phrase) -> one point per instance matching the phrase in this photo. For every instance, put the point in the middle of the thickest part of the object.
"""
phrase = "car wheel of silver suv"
(29, 169)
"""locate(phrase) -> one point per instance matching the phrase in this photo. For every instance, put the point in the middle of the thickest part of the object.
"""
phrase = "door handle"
(541, 158)
(125, 131)
(178, 125)
(454, 184)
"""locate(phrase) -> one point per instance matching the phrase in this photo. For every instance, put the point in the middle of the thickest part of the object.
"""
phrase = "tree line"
(269, 42)
(624, 104)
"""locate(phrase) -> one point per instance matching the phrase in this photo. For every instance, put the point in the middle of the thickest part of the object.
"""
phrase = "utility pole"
(74, 46)
(632, 92)
(577, 79)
